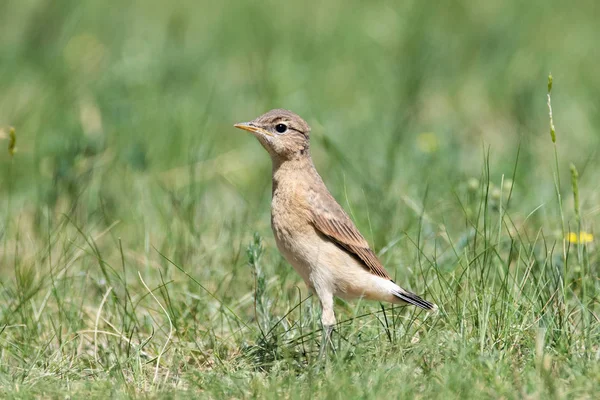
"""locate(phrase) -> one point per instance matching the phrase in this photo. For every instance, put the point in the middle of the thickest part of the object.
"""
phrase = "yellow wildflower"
(584, 237)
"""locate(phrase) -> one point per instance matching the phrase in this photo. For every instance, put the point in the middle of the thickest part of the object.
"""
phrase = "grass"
(136, 258)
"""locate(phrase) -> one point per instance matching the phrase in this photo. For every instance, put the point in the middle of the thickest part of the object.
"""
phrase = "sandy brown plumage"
(312, 230)
(332, 221)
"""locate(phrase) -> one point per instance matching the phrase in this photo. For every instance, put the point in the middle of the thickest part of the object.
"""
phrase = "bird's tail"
(413, 299)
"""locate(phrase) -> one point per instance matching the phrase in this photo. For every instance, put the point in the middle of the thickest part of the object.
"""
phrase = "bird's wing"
(331, 220)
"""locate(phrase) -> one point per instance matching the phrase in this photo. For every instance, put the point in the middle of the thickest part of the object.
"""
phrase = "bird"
(312, 231)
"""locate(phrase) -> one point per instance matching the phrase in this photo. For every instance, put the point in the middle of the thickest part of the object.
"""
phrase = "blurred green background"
(152, 85)
(124, 114)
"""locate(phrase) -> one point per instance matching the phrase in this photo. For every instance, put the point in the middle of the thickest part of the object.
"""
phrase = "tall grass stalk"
(557, 187)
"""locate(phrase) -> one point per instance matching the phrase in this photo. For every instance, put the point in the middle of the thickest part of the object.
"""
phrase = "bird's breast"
(292, 229)
(288, 220)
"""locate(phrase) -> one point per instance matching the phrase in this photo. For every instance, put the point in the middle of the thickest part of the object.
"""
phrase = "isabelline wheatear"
(311, 229)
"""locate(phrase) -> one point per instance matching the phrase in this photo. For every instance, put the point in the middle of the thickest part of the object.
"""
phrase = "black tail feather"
(415, 300)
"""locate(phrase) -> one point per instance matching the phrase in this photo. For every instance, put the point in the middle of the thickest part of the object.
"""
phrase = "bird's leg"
(326, 341)
(328, 322)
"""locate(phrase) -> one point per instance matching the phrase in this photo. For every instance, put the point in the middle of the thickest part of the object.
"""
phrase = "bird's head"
(282, 133)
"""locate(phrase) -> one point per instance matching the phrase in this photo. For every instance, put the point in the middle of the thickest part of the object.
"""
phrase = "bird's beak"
(250, 127)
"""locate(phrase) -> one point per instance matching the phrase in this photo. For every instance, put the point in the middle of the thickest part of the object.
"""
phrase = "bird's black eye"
(281, 128)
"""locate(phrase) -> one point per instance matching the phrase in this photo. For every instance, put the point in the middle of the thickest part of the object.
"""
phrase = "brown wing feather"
(331, 220)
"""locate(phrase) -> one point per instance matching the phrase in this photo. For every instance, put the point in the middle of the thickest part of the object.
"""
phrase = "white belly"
(326, 267)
